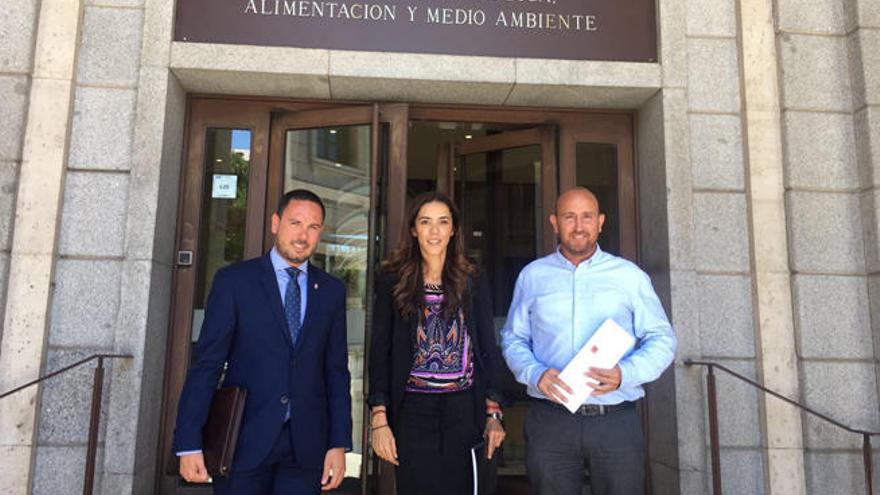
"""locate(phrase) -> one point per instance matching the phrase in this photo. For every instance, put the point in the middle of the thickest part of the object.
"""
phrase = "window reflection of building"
(334, 163)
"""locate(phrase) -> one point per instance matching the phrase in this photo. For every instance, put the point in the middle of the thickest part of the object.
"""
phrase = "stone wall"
(721, 234)
(829, 78)
(91, 241)
(16, 63)
(108, 127)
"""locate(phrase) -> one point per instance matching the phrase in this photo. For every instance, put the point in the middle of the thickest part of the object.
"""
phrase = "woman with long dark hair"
(434, 361)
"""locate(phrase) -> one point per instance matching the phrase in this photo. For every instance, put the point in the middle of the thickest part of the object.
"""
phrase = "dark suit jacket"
(391, 347)
(245, 325)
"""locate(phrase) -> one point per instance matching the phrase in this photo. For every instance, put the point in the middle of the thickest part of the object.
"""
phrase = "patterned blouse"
(443, 360)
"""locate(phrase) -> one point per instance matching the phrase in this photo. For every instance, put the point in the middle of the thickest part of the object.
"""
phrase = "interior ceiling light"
(468, 136)
(332, 131)
(338, 164)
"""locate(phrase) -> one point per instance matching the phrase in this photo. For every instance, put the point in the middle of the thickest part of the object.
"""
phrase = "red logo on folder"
(594, 350)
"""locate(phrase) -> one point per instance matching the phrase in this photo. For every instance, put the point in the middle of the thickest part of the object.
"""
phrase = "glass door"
(240, 158)
(600, 158)
(330, 152)
(505, 185)
(336, 154)
(220, 222)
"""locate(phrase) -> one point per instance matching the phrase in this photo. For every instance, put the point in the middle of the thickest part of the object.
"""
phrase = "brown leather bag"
(220, 434)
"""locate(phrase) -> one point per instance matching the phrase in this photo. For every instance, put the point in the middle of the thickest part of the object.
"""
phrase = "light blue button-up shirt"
(557, 307)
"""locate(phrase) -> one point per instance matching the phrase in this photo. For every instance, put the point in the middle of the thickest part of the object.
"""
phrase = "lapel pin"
(316, 286)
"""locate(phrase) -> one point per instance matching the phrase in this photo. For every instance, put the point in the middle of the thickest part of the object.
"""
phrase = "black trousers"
(434, 436)
(559, 445)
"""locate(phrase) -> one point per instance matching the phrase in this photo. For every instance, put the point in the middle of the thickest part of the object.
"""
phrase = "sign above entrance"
(611, 30)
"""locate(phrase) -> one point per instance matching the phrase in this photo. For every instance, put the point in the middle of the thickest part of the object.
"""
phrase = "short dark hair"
(300, 195)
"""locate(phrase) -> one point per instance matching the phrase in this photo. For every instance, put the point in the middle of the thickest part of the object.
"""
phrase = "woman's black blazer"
(391, 347)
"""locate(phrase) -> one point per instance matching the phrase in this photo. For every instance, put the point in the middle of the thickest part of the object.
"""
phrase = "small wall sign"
(224, 186)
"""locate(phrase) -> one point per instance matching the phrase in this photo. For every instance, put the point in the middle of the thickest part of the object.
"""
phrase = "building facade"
(741, 170)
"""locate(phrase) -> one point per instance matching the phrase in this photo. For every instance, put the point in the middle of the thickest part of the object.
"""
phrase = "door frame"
(573, 126)
(200, 118)
(543, 135)
(560, 131)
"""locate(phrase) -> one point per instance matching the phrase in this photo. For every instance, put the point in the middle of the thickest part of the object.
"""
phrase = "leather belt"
(592, 409)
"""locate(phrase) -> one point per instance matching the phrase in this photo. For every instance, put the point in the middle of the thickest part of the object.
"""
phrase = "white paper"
(224, 186)
(475, 471)
(198, 319)
(604, 350)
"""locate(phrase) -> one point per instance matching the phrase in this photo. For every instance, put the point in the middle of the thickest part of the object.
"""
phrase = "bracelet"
(495, 415)
(374, 428)
(373, 413)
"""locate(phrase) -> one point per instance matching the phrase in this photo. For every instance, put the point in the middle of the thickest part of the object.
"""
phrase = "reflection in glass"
(498, 195)
(334, 163)
(429, 152)
(227, 164)
(597, 171)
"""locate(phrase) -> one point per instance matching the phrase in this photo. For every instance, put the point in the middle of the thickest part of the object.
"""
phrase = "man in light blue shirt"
(558, 303)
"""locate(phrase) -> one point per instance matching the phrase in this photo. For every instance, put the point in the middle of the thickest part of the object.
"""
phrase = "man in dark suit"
(279, 323)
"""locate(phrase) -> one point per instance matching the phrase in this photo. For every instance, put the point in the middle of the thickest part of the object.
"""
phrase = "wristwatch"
(495, 415)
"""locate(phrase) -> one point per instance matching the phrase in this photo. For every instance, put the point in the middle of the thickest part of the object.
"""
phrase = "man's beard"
(585, 248)
(288, 254)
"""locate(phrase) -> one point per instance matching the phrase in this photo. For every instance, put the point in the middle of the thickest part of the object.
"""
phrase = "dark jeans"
(279, 474)
(434, 438)
(559, 445)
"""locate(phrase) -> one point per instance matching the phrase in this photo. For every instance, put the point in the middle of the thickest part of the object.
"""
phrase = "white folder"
(603, 350)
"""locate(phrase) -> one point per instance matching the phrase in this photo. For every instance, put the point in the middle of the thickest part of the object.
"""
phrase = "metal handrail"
(95, 413)
(712, 399)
